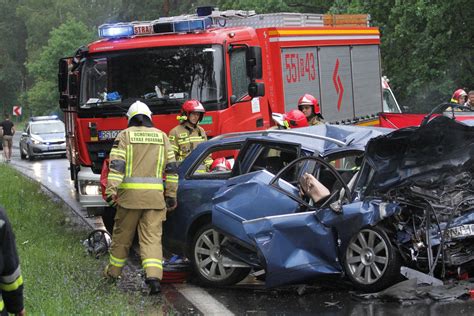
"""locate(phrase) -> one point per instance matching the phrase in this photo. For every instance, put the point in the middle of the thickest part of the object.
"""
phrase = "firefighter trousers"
(150, 226)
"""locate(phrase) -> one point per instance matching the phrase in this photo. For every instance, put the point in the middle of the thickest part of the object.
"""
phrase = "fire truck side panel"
(366, 74)
(299, 74)
(336, 83)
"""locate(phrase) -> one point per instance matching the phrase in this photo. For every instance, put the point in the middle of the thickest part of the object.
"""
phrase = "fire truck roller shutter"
(336, 83)
(300, 74)
(366, 77)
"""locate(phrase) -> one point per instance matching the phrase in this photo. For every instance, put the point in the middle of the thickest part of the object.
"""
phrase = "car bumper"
(89, 189)
(48, 150)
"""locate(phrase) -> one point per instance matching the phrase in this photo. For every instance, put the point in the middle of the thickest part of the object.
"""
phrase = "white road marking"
(202, 300)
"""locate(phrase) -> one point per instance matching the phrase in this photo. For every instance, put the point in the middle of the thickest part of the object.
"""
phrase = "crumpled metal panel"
(296, 247)
(355, 216)
(420, 155)
(249, 200)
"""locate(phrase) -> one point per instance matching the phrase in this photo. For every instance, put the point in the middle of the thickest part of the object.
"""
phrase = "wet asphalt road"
(249, 297)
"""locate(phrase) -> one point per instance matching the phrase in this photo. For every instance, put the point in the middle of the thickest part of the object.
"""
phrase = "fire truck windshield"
(163, 77)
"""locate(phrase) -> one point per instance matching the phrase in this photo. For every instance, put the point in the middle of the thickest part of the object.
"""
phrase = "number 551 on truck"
(242, 66)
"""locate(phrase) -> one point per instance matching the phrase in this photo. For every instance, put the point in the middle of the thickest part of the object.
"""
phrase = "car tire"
(30, 155)
(22, 154)
(207, 261)
(371, 262)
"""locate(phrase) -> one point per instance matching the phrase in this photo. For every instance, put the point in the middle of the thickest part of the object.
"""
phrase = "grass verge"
(60, 278)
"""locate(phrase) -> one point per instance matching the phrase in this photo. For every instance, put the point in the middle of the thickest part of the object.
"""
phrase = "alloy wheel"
(367, 256)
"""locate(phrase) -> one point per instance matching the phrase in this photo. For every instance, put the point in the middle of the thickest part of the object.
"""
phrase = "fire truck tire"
(207, 260)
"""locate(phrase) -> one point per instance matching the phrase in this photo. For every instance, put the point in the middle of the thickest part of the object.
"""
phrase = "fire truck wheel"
(207, 261)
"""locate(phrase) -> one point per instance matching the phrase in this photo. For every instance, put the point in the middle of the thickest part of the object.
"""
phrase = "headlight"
(90, 188)
(35, 141)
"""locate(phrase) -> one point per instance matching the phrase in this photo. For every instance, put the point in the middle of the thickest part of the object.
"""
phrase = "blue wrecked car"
(410, 203)
(188, 230)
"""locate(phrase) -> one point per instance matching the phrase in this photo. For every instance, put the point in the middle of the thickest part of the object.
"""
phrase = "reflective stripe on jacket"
(139, 159)
(184, 138)
(11, 281)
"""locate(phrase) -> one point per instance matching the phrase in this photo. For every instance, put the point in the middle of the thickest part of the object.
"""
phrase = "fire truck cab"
(242, 66)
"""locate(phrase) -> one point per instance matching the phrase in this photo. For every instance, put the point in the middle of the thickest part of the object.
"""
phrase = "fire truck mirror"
(72, 85)
(62, 75)
(63, 102)
(256, 89)
(254, 62)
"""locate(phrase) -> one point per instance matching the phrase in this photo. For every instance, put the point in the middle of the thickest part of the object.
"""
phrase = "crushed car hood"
(420, 156)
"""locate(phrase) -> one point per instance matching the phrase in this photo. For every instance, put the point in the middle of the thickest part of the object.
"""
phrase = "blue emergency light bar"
(116, 30)
(181, 24)
(43, 118)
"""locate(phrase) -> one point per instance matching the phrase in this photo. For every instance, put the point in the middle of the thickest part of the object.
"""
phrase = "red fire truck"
(242, 67)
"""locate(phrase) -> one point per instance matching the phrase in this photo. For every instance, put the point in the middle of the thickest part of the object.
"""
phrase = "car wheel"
(371, 262)
(22, 153)
(207, 260)
(30, 155)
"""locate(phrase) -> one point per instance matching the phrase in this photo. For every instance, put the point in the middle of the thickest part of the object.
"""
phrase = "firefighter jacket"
(11, 281)
(139, 159)
(184, 138)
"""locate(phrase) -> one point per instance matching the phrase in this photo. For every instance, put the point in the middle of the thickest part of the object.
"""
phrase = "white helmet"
(138, 107)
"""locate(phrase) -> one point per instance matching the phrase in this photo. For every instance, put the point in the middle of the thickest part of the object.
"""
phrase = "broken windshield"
(155, 74)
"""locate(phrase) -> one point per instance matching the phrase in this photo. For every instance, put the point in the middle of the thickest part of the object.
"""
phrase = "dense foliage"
(427, 47)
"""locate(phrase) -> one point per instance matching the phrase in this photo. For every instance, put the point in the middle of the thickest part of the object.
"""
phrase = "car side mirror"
(24, 134)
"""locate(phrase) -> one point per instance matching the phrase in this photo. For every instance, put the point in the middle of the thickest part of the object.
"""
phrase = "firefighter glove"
(111, 200)
(171, 203)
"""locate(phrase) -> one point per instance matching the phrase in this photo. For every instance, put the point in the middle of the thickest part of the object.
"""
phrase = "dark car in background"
(43, 136)
(188, 230)
(411, 204)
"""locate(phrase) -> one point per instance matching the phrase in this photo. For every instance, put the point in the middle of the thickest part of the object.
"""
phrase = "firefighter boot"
(154, 285)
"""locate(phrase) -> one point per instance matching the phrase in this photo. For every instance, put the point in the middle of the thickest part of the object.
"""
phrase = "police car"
(43, 136)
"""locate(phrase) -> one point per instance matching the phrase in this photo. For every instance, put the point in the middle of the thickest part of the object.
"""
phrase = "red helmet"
(457, 94)
(192, 106)
(221, 164)
(295, 118)
(308, 99)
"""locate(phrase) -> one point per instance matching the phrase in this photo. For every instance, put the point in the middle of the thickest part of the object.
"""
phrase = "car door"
(297, 246)
(196, 190)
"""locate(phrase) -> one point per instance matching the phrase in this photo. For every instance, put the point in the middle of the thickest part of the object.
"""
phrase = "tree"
(426, 46)
(64, 41)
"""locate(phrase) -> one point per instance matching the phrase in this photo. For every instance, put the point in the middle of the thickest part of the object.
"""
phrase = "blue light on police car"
(115, 30)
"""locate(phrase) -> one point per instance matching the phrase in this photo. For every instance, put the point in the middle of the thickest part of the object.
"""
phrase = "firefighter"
(294, 119)
(459, 97)
(310, 107)
(188, 134)
(11, 281)
(470, 100)
(140, 155)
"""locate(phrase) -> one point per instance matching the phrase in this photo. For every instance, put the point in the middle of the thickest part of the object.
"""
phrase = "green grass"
(60, 278)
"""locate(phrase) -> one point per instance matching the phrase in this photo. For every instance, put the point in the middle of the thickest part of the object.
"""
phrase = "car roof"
(322, 138)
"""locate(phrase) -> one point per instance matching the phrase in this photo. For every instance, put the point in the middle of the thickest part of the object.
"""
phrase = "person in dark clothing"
(8, 132)
(11, 281)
